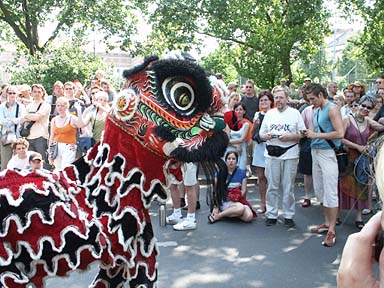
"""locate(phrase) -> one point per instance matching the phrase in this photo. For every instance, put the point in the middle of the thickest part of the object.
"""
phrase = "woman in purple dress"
(353, 192)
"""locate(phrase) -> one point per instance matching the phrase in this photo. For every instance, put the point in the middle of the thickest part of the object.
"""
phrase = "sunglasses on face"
(248, 86)
(378, 82)
(366, 107)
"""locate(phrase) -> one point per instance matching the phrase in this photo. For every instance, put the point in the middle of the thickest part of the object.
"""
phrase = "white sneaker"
(173, 219)
(186, 224)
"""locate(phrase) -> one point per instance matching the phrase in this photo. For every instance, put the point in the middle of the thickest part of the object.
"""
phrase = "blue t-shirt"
(237, 178)
(321, 118)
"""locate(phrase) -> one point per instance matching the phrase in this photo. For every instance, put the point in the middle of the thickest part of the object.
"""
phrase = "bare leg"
(331, 216)
(308, 186)
(192, 196)
(262, 186)
(175, 195)
(236, 210)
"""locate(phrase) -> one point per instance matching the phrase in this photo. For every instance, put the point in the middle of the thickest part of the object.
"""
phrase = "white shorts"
(325, 174)
(189, 173)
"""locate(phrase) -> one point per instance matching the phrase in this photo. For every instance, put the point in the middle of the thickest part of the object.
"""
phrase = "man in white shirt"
(281, 129)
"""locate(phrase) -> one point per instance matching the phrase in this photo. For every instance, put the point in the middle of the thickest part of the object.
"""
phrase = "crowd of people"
(279, 132)
(56, 125)
(272, 133)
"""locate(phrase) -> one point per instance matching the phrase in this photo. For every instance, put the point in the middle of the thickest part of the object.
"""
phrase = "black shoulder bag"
(25, 128)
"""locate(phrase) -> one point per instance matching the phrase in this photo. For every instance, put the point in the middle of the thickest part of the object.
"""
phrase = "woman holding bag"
(265, 103)
(63, 134)
(10, 115)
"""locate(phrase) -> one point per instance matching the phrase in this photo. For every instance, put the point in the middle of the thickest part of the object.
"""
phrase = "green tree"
(65, 63)
(372, 39)
(107, 17)
(222, 60)
(270, 34)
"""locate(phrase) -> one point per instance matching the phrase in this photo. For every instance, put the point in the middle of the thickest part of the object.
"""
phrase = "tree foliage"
(223, 60)
(27, 18)
(372, 39)
(66, 63)
(270, 34)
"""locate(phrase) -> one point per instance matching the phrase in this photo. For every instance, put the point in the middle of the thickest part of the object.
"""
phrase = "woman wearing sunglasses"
(353, 186)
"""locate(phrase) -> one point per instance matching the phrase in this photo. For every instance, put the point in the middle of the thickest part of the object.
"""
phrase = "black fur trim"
(211, 150)
(164, 134)
(137, 68)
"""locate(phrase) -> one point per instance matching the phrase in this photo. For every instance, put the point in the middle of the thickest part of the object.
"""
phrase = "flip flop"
(211, 219)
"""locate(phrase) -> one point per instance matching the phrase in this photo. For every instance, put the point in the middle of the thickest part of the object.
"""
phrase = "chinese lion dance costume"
(97, 209)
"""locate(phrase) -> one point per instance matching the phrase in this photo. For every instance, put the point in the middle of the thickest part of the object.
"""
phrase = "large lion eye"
(179, 95)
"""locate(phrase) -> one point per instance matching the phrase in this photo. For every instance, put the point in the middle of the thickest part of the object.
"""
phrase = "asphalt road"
(230, 253)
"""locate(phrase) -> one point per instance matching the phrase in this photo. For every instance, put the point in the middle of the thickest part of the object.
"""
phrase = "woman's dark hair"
(239, 104)
(234, 153)
(268, 94)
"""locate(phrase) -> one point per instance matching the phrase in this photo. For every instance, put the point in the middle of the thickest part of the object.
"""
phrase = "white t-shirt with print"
(282, 123)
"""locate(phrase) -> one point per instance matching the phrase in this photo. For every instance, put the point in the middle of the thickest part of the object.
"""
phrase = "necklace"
(360, 121)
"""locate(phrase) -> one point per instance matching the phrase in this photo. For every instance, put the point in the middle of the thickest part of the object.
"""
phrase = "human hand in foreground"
(355, 269)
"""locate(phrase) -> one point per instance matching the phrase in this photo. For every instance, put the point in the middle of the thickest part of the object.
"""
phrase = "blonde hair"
(20, 141)
(339, 97)
(63, 100)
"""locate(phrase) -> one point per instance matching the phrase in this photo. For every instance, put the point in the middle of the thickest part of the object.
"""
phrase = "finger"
(372, 227)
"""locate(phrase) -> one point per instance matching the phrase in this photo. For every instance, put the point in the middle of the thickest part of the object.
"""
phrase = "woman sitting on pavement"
(236, 179)
(20, 158)
(358, 128)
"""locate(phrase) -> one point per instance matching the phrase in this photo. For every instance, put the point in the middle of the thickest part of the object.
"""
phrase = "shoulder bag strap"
(17, 114)
(94, 120)
(330, 142)
(230, 178)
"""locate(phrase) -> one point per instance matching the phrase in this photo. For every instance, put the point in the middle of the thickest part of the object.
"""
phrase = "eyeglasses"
(366, 107)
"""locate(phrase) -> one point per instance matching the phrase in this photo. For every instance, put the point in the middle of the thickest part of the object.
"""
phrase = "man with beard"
(281, 129)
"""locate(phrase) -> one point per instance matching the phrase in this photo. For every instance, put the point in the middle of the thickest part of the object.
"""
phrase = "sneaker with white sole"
(186, 224)
(173, 219)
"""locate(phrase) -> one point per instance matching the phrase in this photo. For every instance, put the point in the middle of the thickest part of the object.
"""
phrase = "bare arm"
(244, 187)
(376, 126)
(242, 138)
(337, 124)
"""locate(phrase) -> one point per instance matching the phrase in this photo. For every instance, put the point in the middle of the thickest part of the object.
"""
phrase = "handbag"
(25, 128)
(256, 131)
(277, 151)
(8, 138)
(85, 143)
(53, 150)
